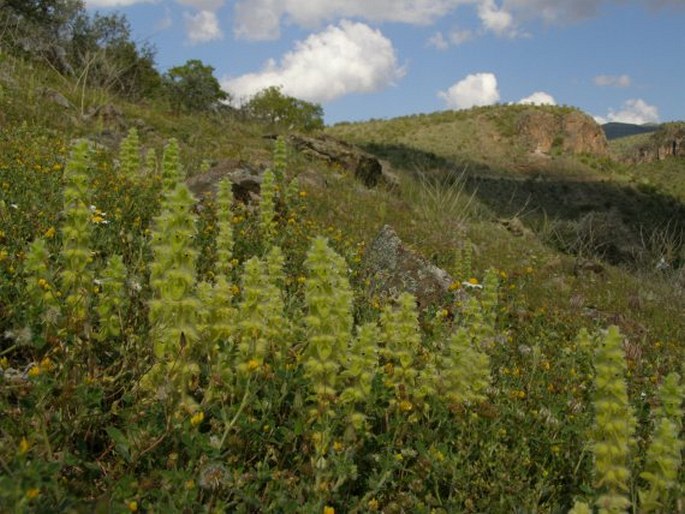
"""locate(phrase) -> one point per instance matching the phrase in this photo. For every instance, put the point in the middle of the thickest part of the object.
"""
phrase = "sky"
(617, 60)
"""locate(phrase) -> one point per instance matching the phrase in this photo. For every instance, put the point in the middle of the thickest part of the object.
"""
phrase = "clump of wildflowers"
(664, 454)
(174, 308)
(402, 339)
(76, 279)
(129, 154)
(614, 426)
(329, 320)
(112, 298)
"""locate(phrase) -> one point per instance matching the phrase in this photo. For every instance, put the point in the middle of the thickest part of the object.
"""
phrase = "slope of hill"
(616, 130)
(162, 353)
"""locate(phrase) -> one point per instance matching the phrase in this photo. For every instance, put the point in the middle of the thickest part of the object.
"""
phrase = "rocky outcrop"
(392, 268)
(543, 131)
(668, 141)
(246, 179)
(334, 152)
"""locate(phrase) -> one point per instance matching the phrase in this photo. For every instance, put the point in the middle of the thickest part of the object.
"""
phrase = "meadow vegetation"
(165, 353)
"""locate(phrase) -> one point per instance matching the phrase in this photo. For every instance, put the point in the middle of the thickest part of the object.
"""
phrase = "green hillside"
(162, 352)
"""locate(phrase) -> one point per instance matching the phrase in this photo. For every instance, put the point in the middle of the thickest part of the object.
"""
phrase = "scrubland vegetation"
(165, 353)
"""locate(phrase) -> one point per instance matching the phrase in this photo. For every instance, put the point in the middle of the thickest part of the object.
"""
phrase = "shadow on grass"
(621, 223)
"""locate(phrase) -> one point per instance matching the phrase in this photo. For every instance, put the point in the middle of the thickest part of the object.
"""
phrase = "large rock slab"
(333, 152)
(393, 268)
(246, 179)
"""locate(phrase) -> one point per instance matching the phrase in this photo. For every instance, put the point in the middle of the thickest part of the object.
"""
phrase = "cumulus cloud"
(538, 98)
(612, 80)
(202, 27)
(348, 58)
(475, 89)
(635, 111)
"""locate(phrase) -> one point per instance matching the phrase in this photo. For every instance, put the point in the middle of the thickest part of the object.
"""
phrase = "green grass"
(240, 421)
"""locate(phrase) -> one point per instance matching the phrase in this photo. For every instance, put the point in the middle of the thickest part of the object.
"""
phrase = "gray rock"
(366, 168)
(393, 268)
(246, 180)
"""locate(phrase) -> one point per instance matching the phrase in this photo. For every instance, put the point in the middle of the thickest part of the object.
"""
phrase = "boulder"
(246, 179)
(392, 268)
(334, 152)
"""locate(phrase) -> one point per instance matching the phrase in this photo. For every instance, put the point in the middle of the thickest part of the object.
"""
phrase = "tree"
(272, 106)
(193, 87)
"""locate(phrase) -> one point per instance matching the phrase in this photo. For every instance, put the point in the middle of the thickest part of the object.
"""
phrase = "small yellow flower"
(301, 279)
(50, 233)
(252, 365)
(46, 364)
(338, 446)
(23, 446)
(3, 255)
(190, 484)
(43, 284)
(34, 372)
(454, 286)
(328, 510)
(303, 194)
(373, 505)
(405, 406)
(473, 281)
(132, 506)
(197, 418)
(32, 493)
(529, 270)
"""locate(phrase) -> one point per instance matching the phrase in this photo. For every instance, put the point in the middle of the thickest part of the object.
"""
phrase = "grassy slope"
(543, 302)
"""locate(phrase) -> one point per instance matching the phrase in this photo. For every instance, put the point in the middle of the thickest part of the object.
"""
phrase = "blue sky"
(618, 60)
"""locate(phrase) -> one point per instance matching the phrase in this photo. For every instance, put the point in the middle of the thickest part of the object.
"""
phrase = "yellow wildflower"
(197, 418)
(252, 365)
(328, 510)
(473, 281)
(3, 255)
(338, 446)
(32, 493)
(405, 406)
(373, 505)
(34, 372)
(303, 194)
(23, 446)
(132, 506)
(50, 233)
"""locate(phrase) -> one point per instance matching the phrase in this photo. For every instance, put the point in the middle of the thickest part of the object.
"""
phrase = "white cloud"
(538, 98)
(202, 27)
(455, 37)
(114, 3)
(635, 111)
(496, 19)
(204, 5)
(347, 58)
(439, 41)
(261, 19)
(612, 80)
(475, 89)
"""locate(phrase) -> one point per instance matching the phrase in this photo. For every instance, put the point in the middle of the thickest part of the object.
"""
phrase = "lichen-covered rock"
(392, 268)
(246, 179)
(366, 168)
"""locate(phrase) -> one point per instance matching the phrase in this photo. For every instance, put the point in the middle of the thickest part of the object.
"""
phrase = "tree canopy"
(193, 87)
(272, 106)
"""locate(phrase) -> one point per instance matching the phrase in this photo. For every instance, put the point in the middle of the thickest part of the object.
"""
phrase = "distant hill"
(615, 130)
